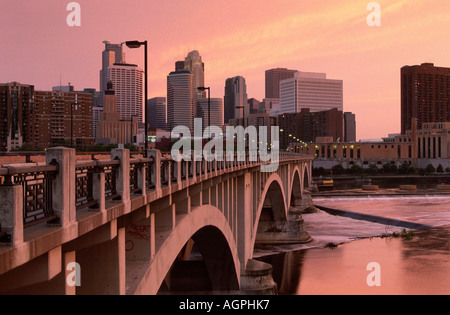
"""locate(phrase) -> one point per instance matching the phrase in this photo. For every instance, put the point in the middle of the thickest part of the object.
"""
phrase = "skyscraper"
(273, 78)
(60, 117)
(216, 111)
(235, 100)
(96, 108)
(310, 90)
(349, 127)
(180, 99)
(112, 129)
(425, 95)
(157, 112)
(127, 81)
(253, 104)
(111, 55)
(16, 103)
(306, 126)
(193, 63)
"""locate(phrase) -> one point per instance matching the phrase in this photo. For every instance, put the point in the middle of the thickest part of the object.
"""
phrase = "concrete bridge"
(146, 225)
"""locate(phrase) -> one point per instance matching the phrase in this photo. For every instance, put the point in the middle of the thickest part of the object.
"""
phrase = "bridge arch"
(271, 209)
(211, 232)
(295, 188)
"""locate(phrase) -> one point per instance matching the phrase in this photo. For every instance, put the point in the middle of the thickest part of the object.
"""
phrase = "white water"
(325, 228)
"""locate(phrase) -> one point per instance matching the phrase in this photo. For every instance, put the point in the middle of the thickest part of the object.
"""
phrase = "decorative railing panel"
(37, 186)
(84, 181)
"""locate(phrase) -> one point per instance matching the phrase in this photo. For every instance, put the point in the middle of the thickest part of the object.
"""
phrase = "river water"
(419, 265)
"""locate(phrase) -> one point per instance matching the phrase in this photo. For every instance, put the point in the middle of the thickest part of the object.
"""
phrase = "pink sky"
(234, 37)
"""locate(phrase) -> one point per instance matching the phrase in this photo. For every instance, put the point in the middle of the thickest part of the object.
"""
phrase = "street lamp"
(136, 44)
(202, 89)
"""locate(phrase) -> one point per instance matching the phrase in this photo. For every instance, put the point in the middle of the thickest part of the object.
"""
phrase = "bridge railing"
(35, 191)
(54, 193)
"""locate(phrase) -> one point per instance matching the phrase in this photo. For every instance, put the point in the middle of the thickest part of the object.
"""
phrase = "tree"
(406, 168)
(318, 171)
(373, 169)
(447, 170)
(440, 169)
(338, 169)
(430, 169)
(389, 168)
(356, 169)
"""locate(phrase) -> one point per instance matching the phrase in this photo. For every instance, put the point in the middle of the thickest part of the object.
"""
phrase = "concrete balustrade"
(63, 188)
(11, 214)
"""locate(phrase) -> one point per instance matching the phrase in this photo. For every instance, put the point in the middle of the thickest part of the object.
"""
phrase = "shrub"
(430, 169)
(373, 169)
(338, 169)
(440, 169)
(356, 169)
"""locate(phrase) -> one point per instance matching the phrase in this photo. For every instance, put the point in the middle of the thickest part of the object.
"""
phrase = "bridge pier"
(103, 267)
(256, 279)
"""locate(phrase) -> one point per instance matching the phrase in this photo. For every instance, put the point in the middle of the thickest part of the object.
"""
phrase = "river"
(416, 265)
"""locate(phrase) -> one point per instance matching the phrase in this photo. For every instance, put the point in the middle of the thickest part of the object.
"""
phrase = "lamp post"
(202, 89)
(136, 44)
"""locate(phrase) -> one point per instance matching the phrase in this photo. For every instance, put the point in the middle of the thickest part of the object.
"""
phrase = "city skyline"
(334, 39)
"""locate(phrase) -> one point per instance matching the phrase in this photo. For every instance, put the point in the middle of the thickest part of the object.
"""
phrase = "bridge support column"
(288, 231)
(244, 216)
(305, 203)
(256, 279)
(103, 267)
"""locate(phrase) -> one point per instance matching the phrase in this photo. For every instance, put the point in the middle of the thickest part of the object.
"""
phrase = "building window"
(439, 148)
(418, 148)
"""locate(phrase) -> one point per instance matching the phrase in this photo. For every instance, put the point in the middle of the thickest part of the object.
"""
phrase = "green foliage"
(319, 171)
(389, 168)
(406, 169)
(28, 147)
(356, 169)
(338, 169)
(373, 169)
(440, 169)
(430, 169)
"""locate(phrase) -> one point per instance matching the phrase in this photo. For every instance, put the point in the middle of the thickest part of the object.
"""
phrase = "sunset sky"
(234, 37)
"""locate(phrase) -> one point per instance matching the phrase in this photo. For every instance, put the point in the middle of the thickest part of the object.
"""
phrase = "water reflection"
(417, 266)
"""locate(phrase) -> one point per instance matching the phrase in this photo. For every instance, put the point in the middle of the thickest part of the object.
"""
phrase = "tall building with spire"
(127, 80)
(111, 129)
(112, 54)
(235, 100)
(193, 63)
